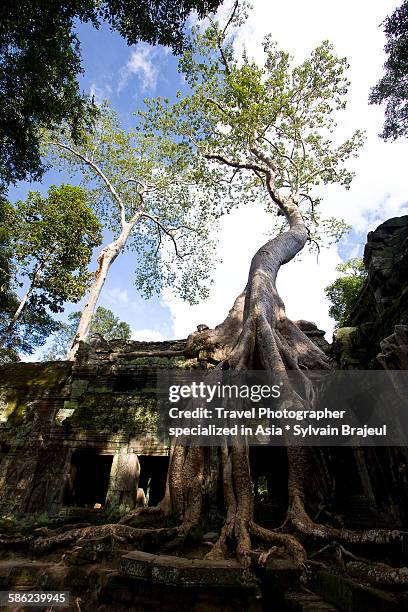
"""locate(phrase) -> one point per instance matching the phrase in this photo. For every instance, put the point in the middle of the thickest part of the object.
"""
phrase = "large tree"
(40, 62)
(146, 195)
(269, 131)
(392, 88)
(52, 239)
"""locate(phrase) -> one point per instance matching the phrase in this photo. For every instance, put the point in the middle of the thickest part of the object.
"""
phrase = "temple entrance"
(269, 472)
(88, 479)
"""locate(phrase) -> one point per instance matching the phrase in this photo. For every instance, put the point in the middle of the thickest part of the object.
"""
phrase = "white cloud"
(117, 296)
(148, 334)
(378, 191)
(100, 92)
(140, 64)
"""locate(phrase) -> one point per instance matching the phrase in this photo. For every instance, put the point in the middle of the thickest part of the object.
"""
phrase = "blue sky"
(126, 75)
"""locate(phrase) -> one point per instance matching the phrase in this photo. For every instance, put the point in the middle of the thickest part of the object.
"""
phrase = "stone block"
(171, 570)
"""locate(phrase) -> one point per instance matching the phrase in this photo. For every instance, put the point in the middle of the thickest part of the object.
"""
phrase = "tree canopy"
(392, 88)
(35, 324)
(40, 61)
(259, 132)
(53, 238)
(50, 242)
(149, 201)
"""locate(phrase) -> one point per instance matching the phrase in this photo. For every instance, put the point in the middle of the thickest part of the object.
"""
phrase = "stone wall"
(102, 405)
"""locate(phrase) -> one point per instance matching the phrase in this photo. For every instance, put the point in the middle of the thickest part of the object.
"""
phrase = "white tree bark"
(105, 260)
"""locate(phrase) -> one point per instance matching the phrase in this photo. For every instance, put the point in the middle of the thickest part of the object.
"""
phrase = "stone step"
(302, 601)
(23, 574)
(172, 570)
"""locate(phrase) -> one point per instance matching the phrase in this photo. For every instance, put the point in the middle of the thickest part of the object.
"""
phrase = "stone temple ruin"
(82, 435)
(77, 440)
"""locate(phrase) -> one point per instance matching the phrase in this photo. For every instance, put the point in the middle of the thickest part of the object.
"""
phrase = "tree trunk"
(105, 260)
(257, 335)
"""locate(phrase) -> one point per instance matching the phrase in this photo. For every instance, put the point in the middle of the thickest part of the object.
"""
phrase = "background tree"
(52, 240)
(40, 62)
(267, 131)
(6, 267)
(148, 200)
(104, 325)
(392, 88)
(35, 324)
(344, 291)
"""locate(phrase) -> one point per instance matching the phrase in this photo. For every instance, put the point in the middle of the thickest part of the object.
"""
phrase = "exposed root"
(375, 573)
(289, 542)
(303, 524)
(142, 515)
(220, 548)
(116, 533)
(378, 574)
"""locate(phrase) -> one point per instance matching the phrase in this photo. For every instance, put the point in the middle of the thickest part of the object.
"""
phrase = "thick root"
(378, 574)
(285, 540)
(117, 533)
(142, 515)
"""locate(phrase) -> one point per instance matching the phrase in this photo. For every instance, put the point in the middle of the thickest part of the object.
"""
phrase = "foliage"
(40, 62)
(104, 324)
(53, 238)
(35, 324)
(46, 247)
(344, 291)
(132, 185)
(30, 331)
(7, 297)
(243, 123)
(392, 88)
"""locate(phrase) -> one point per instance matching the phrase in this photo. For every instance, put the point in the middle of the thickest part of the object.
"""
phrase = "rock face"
(376, 337)
(378, 325)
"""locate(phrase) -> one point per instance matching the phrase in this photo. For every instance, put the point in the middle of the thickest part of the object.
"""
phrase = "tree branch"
(100, 173)
(237, 164)
(165, 230)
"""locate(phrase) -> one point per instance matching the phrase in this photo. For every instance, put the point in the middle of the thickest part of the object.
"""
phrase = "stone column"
(124, 480)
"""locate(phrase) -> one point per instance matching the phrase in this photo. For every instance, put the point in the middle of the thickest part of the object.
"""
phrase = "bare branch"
(100, 173)
(165, 230)
(219, 41)
(236, 164)
(231, 17)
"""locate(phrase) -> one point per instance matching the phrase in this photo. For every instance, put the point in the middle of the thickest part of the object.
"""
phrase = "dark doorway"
(269, 473)
(88, 480)
(346, 476)
(152, 479)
